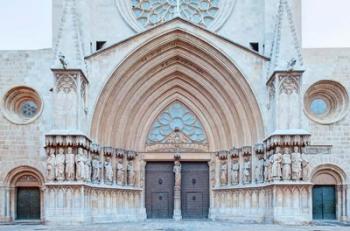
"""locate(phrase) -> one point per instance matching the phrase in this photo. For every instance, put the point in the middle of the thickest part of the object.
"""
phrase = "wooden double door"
(160, 180)
(324, 202)
(28, 203)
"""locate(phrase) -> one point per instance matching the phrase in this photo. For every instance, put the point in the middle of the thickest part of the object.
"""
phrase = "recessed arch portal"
(177, 66)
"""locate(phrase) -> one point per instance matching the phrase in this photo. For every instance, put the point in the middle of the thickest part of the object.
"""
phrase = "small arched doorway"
(25, 194)
(327, 193)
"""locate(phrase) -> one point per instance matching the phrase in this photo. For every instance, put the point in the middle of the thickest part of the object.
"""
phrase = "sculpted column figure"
(177, 189)
(51, 163)
(120, 172)
(131, 173)
(268, 167)
(223, 173)
(60, 159)
(296, 164)
(259, 177)
(235, 172)
(87, 161)
(70, 165)
(305, 169)
(247, 171)
(276, 165)
(96, 170)
(80, 164)
(286, 165)
(108, 171)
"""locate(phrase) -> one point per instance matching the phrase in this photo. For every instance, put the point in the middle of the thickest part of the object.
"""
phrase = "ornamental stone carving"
(60, 159)
(70, 165)
(51, 163)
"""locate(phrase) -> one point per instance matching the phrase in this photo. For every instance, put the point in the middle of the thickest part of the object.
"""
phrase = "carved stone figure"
(223, 173)
(305, 168)
(177, 171)
(80, 164)
(60, 165)
(246, 171)
(276, 164)
(108, 171)
(131, 173)
(268, 169)
(120, 172)
(212, 174)
(96, 170)
(286, 165)
(51, 163)
(235, 172)
(259, 171)
(88, 167)
(70, 168)
(296, 164)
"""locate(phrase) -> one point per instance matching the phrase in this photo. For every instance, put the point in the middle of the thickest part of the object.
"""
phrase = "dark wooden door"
(194, 190)
(28, 203)
(159, 190)
(324, 202)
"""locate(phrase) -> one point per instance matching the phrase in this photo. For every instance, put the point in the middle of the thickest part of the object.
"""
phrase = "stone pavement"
(170, 225)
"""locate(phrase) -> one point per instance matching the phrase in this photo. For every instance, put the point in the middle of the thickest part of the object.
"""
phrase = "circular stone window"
(326, 102)
(21, 105)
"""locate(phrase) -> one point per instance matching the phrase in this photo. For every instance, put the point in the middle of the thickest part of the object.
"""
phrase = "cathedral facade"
(177, 109)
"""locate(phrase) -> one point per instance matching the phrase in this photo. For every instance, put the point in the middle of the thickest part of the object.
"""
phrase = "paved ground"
(169, 225)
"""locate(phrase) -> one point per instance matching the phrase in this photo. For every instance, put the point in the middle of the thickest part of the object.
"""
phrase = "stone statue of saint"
(296, 164)
(268, 169)
(305, 168)
(235, 172)
(131, 173)
(286, 165)
(96, 170)
(60, 159)
(120, 172)
(108, 171)
(177, 171)
(88, 167)
(223, 173)
(276, 164)
(212, 173)
(246, 171)
(259, 171)
(70, 165)
(51, 163)
(80, 164)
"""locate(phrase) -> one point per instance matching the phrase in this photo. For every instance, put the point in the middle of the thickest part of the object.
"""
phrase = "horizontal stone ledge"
(97, 186)
(289, 183)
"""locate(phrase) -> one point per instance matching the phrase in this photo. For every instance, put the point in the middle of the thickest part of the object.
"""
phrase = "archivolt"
(177, 66)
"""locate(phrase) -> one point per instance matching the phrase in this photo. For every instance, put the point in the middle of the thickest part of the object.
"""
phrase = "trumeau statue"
(246, 171)
(131, 173)
(108, 171)
(60, 158)
(276, 165)
(51, 163)
(259, 171)
(177, 171)
(235, 172)
(286, 165)
(296, 164)
(96, 170)
(223, 173)
(70, 168)
(120, 172)
(80, 164)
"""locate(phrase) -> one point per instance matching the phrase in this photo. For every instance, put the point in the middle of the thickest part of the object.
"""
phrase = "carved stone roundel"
(143, 14)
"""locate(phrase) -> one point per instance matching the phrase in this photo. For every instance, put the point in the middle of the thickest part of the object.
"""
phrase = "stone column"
(177, 189)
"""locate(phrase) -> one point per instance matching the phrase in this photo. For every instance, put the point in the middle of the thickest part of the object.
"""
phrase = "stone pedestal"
(177, 203)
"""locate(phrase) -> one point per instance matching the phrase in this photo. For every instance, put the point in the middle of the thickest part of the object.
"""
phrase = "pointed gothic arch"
(177, 66)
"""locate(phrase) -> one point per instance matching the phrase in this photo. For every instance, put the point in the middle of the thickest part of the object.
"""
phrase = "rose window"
(152, 12)
(177, 118)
